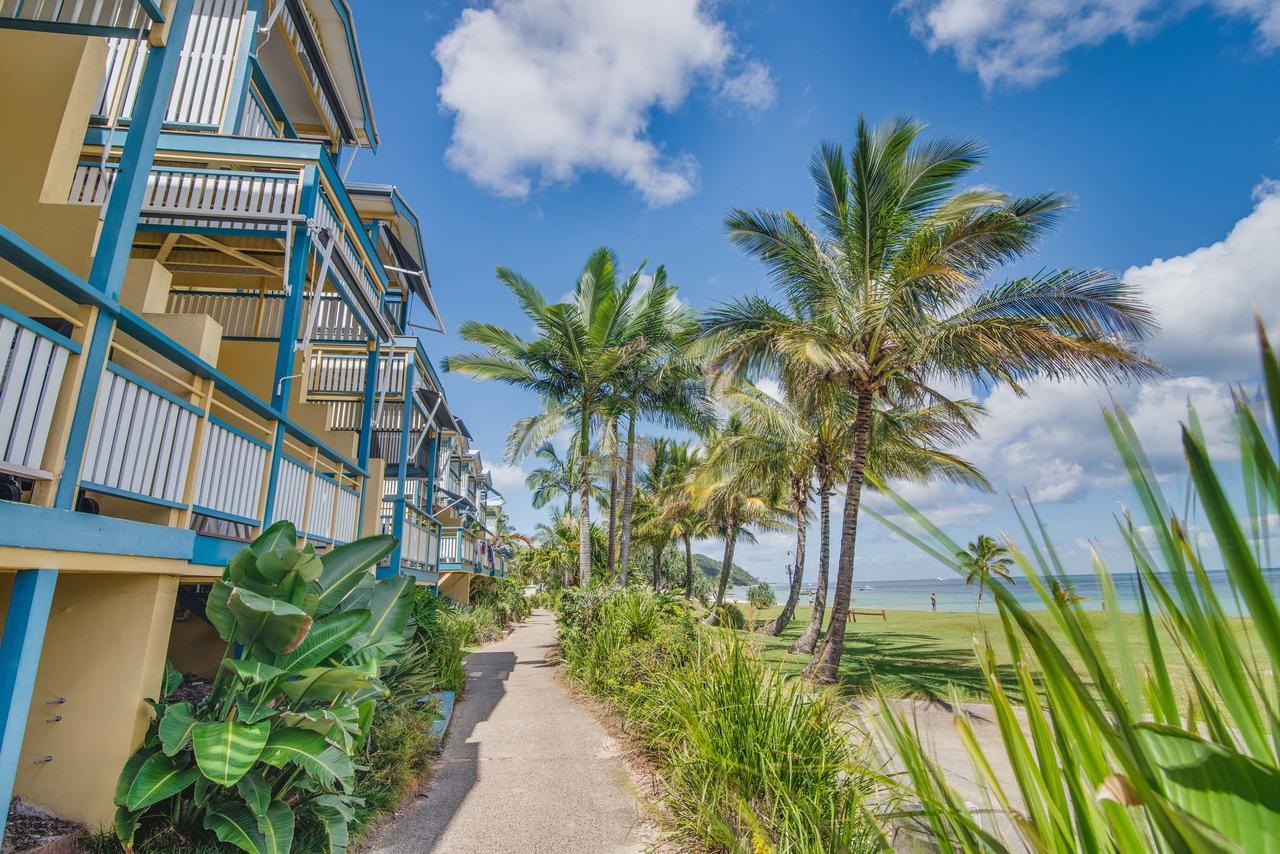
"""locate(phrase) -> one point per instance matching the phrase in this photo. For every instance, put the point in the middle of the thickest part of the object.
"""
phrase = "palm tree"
(556, 546)
(889, 296)
(983, 560)
(663, 498)
(582, 347)
(1065, 595)
(558, 476)
(738, 486)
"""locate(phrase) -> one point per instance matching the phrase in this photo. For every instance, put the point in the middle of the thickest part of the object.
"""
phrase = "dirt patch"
(31, 830)
(193, 690)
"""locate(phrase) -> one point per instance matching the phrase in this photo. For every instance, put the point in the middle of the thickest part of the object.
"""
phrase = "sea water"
(954, 595)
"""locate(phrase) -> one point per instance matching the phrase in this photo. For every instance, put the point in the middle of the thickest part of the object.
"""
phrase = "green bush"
(1110, 758)
(730, 616)
(275, 740)
(748, 762)
(760, 595)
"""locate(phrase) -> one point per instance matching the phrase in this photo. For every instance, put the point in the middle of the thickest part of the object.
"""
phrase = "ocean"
(954, 595)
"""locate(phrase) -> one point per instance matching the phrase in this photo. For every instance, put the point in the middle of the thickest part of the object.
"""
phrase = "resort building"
(203, 329)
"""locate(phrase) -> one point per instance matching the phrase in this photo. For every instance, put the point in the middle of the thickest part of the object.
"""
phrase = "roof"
(337, 34)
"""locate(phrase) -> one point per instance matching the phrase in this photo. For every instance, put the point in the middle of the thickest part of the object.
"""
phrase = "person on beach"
(933, 601)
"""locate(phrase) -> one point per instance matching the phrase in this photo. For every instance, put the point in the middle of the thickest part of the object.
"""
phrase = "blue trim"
(214, 551)
(153, 10)
(406, 422)
(20, 648)
(211, 230)
(366, 415)
(431, 469)
(27, 526)
(221, 514)
(370, 129)
(353, 217)
(153, 388)
(239, 91)
(235, 431)
(67, 29)
(38, 328)
(94, 359)
(132, 496)
(297, 277)
(273, 476)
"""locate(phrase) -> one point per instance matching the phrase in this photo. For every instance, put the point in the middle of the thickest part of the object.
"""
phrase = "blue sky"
(528, 132)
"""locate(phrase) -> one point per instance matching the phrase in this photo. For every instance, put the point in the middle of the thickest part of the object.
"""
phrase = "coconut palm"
(888, 296)
(581, 348)
(1065, 595)
(663, 498)
(739, 486)
(904, 444)
(983, 560)
(557, 477)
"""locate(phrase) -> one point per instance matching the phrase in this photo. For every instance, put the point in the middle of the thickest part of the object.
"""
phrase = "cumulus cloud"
(1218, 288)
(1021, 43)
(542, 90)
(507, 477)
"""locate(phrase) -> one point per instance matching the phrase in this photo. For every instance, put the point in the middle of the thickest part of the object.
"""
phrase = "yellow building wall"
(456, 586)
(194, 647)
(104, 652)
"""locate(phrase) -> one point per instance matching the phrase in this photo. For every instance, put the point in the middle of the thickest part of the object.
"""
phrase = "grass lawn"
(921, 653)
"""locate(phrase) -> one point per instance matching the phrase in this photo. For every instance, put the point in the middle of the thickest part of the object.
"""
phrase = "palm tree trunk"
(658, 549)
(980, 586)
(688, 568)
(801, 501)
(613, 507)
(628, 492)
(584, 499)
(826, 666)
(731, 538)
(809, 638)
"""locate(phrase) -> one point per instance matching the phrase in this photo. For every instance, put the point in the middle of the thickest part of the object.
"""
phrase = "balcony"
(224, 209)
(418, 542)
(123, 18)
(171, 440)
(457, 550)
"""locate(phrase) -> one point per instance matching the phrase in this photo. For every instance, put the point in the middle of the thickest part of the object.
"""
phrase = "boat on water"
(866, 587)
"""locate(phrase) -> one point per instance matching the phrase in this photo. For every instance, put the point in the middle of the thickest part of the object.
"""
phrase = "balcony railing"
(167, 428)
(125, 16)
(418, 541)
(33, 359)
(257, 314)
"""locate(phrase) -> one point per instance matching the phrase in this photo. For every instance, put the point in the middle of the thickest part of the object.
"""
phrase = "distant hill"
(710, 567)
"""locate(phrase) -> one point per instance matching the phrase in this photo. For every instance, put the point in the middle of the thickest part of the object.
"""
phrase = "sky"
(526, 133)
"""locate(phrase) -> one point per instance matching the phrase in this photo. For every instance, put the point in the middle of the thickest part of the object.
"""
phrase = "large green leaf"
(175, 727)
(1237, 796)
(159, 777)
(322, 684)
(126, 827)
(334, 813)
(339, 724)
(130, 772)
(328, 634)
(311, 752)
(277, 625)
(280, 536)
(257, 794)
(226, 750)
(346, 565)
(233, 823)
(254, 705)
(277, 828)
(215, 609)
(251, 670)
(391, 604)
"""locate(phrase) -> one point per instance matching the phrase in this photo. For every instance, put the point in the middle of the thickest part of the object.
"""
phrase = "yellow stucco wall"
(194, 647)
(456, 586)
(104, 652)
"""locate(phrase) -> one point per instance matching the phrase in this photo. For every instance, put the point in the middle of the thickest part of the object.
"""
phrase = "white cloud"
(752, 87)
(1022, 43)
(542, 90)
(507, 477)
(1218, 289)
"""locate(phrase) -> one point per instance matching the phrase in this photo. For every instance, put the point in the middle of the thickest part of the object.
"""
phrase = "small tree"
(760, 595)
(983, 560)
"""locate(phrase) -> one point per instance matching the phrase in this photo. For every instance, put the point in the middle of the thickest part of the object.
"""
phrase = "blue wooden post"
(120, 222)
(370, 393)
(402, 470)
(434, 452)
(240, 83)
(19, 659)
(299, 261)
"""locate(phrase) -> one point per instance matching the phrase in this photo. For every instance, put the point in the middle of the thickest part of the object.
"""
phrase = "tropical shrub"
(291, 705)
(747, 761)
(730, 616)
(760, 596)
(1110, 757)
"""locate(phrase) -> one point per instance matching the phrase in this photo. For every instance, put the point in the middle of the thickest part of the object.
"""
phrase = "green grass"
(921, 653)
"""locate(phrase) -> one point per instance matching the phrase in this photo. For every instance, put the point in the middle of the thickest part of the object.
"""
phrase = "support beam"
(242, 257)
(366, 411)
(20, 649)
(402, 471)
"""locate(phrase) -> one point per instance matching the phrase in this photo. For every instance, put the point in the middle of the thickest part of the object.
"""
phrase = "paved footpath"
(524, 767)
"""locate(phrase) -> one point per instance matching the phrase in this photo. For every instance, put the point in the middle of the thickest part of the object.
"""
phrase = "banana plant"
(290, 705)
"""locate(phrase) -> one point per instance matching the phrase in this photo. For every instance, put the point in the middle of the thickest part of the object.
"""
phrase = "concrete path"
(524, 768)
